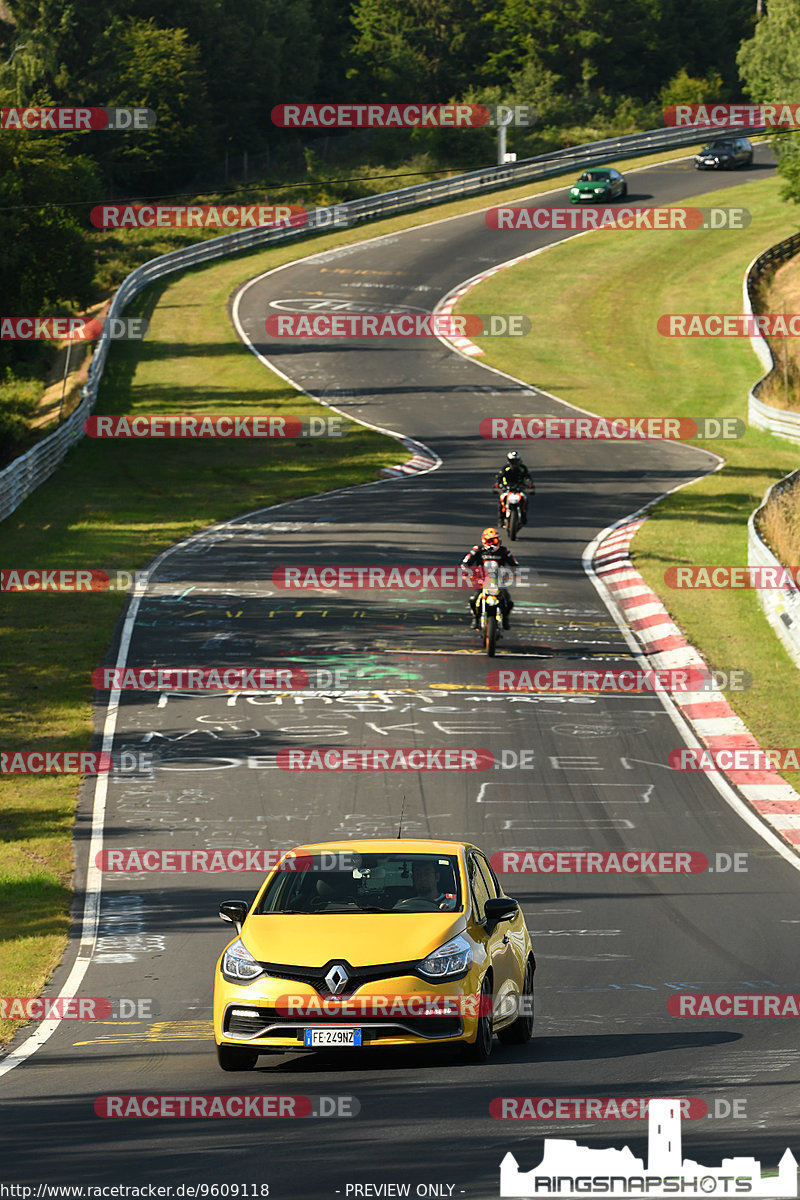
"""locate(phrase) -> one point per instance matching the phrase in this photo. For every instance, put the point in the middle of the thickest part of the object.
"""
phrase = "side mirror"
(234, 912)
(500, 908)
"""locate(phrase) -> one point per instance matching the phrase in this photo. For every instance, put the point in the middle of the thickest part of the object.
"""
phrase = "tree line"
(213, 69)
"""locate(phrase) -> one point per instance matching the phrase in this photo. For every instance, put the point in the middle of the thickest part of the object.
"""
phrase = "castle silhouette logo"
(570, 1170)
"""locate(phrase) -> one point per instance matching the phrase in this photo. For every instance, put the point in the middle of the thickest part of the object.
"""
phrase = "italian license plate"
(331, 1037)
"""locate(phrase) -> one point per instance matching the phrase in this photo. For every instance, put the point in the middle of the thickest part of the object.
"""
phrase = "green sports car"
(598, 183)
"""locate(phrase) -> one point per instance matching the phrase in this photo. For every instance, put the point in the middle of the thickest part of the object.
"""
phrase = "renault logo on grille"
(336, 978)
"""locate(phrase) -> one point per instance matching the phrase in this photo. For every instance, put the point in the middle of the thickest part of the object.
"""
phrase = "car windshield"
(594, 177)
(372, 883)
(717, 146)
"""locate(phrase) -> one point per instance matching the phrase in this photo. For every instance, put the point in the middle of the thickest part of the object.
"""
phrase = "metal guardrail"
(781, 605)
(24, 475)
(783, 422)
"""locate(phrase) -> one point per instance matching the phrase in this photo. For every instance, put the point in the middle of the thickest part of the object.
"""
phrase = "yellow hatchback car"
(374, 943)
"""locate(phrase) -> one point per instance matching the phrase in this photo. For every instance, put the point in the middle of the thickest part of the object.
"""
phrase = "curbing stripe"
(713, 720)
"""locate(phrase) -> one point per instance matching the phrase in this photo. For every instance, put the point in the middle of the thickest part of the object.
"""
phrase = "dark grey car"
(725, 154)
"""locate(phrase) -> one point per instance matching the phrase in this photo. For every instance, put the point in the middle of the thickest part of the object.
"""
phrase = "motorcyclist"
(514, 477)
(490, 546)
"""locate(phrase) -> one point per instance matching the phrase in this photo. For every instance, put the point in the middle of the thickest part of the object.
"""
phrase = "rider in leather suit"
(490, 546)
(514, 477)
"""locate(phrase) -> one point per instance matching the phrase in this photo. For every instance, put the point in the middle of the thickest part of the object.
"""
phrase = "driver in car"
(425, 877)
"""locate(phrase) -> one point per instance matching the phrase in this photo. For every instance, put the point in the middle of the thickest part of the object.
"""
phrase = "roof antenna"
(402, 810)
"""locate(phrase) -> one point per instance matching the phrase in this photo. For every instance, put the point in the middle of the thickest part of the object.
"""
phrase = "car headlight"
(454, 958)
(238, 964)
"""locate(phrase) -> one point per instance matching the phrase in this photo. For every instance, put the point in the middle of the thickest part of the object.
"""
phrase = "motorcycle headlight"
(452, 959)
(238, 964)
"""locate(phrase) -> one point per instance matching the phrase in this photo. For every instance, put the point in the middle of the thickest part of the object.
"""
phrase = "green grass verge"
(595, 343)
(118, 504)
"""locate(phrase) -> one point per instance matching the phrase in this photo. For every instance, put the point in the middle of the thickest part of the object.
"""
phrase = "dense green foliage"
(213, 69)
(769, 64)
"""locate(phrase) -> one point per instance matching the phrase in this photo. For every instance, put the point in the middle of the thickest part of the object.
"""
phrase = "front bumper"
(595, 198)
(250, 1015)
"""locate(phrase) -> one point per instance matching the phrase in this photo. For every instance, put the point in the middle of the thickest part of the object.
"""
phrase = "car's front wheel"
(236, 1058)
(624, 191)
(479, 1050)
(521, 1030)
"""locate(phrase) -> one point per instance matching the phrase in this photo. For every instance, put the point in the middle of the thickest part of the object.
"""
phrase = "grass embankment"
(31, 412)
(779, 524)
(597, 302)
(116, 505)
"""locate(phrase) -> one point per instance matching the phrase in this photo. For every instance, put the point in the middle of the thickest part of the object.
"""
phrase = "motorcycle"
(512, 502)
(487, 606)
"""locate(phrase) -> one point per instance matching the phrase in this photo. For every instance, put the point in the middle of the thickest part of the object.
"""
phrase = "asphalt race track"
(611, 950)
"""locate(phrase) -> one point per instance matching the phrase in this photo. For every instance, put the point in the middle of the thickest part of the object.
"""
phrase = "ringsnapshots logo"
(198, 216)
(514, 218)
(71, 329)
(398, 325)
(612, 429)
(742, 116)
(570, 1170)
(182, 425)
(75, 119)
(402, 116)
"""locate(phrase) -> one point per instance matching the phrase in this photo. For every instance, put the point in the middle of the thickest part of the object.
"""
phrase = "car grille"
(267, 1022)
(315, 976)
